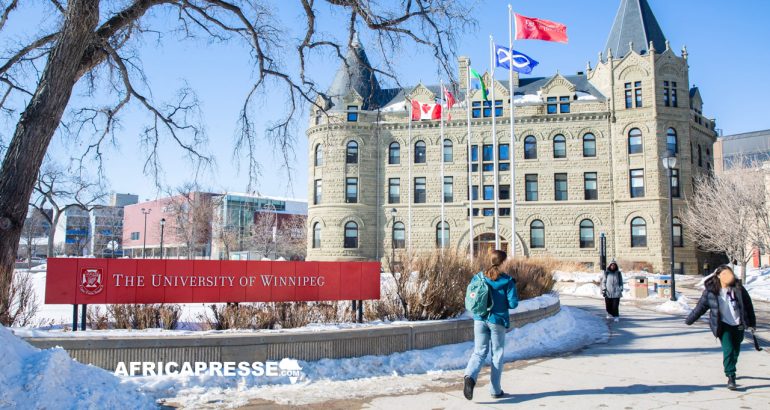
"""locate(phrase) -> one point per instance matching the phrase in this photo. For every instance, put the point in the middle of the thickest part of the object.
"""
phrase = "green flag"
(483, 87)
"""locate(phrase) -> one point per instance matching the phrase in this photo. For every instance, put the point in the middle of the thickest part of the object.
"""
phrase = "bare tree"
(292, 237)
(728, 213)
(264, 233)
(60, 190)
(34, 229)
(190, 214)
(99, 41)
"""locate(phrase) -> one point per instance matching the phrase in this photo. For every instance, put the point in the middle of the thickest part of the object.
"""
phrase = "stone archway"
(483, 239)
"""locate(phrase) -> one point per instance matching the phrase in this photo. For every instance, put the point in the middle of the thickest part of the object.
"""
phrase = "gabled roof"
(355, 74)
(635, 23)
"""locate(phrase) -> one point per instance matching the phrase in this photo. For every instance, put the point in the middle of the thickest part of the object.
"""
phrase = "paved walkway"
(652, 361)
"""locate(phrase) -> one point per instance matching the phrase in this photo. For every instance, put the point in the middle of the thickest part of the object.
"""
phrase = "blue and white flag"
(521, 62)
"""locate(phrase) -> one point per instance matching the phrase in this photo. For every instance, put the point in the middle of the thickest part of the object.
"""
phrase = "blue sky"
(726, 42)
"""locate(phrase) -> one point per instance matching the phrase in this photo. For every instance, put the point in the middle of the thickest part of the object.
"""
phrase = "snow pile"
(758, 283)
(679, 307)
(567, 331)
(51, 379)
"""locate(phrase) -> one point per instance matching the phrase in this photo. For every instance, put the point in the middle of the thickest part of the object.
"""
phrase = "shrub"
(534, 276)
(98, 319)
(24, 302)
(145, 316)
(277, 315)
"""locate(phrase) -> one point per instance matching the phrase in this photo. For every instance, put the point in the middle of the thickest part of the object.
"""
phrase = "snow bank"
(679, 307)
(567, 331)
(51, 379)
(758, 283)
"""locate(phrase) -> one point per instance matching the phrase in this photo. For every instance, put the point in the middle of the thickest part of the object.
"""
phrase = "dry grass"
(277, 315)
(144, 316)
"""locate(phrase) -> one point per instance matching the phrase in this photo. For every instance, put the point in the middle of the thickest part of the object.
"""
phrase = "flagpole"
(512, 151)
(494, 138)
(409, 183)
(443, 185)
(470, 160)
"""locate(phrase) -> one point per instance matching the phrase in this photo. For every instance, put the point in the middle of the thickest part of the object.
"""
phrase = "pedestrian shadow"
(617, 390)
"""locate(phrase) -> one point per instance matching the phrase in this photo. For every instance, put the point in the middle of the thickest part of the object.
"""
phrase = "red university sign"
(114, 281)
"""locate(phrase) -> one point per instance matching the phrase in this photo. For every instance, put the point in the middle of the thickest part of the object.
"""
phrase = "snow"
(527, 99)
(583, 96)
(679, 307)
(758, 283)
(50, 379)
(327, 379)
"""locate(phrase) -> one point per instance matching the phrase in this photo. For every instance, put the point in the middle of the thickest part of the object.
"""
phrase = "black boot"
(731, 383)
(468, 387)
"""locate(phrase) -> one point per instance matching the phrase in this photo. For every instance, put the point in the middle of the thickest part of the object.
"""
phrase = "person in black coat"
(730, 314)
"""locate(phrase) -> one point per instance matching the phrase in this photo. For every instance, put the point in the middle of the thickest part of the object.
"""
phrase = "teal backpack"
(477, 300)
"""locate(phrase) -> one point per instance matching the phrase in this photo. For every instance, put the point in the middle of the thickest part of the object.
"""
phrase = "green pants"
(732, 337)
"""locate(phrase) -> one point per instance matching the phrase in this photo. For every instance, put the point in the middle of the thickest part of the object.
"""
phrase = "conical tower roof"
(635, 23)
(355, 74)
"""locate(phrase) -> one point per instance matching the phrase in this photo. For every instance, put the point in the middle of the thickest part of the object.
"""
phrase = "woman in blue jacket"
(490, 328)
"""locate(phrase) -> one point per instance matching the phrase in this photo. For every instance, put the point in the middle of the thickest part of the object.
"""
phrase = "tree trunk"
(52, 232)
(34, 131)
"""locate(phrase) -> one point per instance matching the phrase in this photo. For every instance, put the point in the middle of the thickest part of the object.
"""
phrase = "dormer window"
(352, 113)
(317, 117)
(477, 112)
(558, 105)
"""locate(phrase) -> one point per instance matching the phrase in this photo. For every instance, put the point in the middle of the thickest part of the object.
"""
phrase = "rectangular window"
(489, 192)
(394, 190)
(352, 113)
(503, 152)
(488, 167)
(489, 211)
(419, 190)
(530, 186)
(666, 94)
(134, 236)
(674, 99)
(564, 105)
(448, 189)
(487, 109)
(638, 93)
(475, 212)
(498, 108)
(591, 187)
(475, 192)
(504, 166)
(560, 187)
(351, 190)
(678, 268)
(637, 183)
(552, 105)
(488, 153)
(474, 153)
(629, 99)
(476, 109)
(317, 192)
(504, 211)
(675, 192)
(504, 192)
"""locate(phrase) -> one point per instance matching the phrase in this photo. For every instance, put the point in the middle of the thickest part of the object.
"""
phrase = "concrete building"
(96, 232)
(201, 224)
(587, 159)
(748, 147)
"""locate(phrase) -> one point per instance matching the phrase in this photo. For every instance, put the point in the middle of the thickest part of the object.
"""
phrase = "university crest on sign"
(91, 281)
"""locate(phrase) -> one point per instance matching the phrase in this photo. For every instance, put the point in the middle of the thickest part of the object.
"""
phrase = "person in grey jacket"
(612, 290)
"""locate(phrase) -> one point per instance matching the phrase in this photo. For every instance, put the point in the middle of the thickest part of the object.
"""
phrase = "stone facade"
(597, 106)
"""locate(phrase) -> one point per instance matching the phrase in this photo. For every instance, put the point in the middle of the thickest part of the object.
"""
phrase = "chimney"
(462, 65)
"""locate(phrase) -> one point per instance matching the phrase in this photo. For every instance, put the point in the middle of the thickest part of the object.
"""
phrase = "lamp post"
(669, 162)
(162, 225)
(393, 236)
(144, 234)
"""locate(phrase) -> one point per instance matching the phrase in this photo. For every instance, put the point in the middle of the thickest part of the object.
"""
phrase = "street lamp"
(144, 234)
(669, 162)
(393, 213)
(162, 225)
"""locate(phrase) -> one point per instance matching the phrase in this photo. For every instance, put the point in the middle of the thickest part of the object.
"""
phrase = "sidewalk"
(651, 361)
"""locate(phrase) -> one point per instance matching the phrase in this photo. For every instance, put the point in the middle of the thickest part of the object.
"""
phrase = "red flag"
(529, 28)
(425, 111)
(450, 102)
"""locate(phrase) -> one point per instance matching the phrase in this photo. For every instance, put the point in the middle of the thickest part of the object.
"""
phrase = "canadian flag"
(425, 111)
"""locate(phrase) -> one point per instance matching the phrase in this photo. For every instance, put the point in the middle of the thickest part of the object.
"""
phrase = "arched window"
(559, 146)
(448, 154)
(589, 145)
(419, 152)
(638, 232)
(678, 233)
(672, 144)
(530, 147)
(319, 155)
(352, 153)
(399, 236)
(442, 235)
(394, 153)
(316, 235)
(537, 234)
(587, 234)
(635, 141)
(351, 235)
